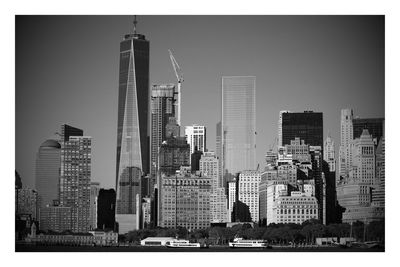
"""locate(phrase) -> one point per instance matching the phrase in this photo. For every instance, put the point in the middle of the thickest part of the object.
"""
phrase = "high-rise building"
(195, 159)
(238, 124)
(307, 126)
(75, 178)
(231, 196)
(374, 126)
(94, 193)
(162, 108)
(209, 167)
(132, 131)
(196, 137)
(27, 202)
(55, 218)
(174, 153)
(248, 191)
(280, 142)
(106, 209)
(146, 212)
(218, 150)
(329, 153)
(346, 136)
(378, 194)
(185, 201)
(269, 192)
(356, 191)
(47, 175)
(319, 181)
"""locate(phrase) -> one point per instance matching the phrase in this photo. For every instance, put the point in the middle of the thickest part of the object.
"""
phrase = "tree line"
(306, 232)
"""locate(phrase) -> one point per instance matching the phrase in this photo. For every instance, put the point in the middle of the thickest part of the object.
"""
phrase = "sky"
(67, 72)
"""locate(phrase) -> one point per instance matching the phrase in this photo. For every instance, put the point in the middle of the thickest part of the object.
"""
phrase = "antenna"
(134, 24)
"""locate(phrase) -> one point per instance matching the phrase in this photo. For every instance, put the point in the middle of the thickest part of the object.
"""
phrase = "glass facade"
(307, 125)
(132, 132)
(238, 124)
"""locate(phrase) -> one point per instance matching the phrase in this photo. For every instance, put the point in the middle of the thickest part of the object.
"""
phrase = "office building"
(162, 108)
(174, 153)
(75, 179)
(307, 126)
(319, 181)
(373, 125)
(209, 167)
(238, 124)
(271, 191)
(218, 151)
(231, 196)
(146, 212)
(185, 201)
(132, 132)
(329, 153)
(363, 161)
(55, 218)
(27, 202)
(195, 159)
(378, 193)
(248, 193)
(47, 174)
(296, 208)
(280, 141)
(196, 137)
(94, 193)
(106, 209)
(346, 137)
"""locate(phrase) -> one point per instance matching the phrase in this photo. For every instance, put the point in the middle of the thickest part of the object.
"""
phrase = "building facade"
(94, 193)
(185, 201)
(346, 137)
(373, 125)
(27, 202)
(75, 180)
(55, 218)
(238, 124)
(248, 191)
(132, 131)
(106, 209)
(296, 208)
(47, 174)
(162, 108)
(196, 137)
(307, 126)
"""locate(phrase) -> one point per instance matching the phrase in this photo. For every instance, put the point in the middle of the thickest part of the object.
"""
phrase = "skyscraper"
(280, 126)
(307, 125)
(132, 131)
(94, 193)
(374, 126)
(196, 137)
(47, 175)
(238, 124)
(75, 180)
(106, 209)
(346, 136)
(162, 108)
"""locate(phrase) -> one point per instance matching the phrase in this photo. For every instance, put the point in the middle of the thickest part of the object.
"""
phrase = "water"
(30, 248)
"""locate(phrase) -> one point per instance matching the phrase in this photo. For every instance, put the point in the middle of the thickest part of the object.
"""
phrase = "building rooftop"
(50, 143)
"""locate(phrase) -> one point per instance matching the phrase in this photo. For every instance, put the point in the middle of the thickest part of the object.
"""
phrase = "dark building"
(307, 125)
(320, 194)
(195, 159)
(106, 209)
(68, 131)
(145, 186)
(331, 206)
(374, 126)
(174, 153)
(133, 142)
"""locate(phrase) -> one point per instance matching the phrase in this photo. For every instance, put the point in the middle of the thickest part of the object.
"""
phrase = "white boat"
(243, 243)
(181, 243)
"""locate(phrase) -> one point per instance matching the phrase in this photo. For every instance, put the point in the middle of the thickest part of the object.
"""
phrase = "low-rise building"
(296, 208)
(104, 238)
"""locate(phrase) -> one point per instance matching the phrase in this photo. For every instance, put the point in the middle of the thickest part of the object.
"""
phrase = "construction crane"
(179, 77)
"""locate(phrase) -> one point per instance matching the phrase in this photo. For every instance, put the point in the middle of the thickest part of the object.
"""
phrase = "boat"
(181, 243)
(248, 243)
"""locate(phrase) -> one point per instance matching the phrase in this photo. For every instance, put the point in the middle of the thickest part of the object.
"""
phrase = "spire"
(134, 24)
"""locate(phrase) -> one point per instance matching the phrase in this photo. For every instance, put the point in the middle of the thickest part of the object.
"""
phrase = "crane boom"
(179, 78)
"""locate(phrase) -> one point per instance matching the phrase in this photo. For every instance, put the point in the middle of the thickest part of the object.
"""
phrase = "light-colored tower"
(329, 153)
(94, 193)
(196, 137)
(47, 176)
(346, 136)
(75, 180)
(248, 192)
(209, 167)
(238, 124)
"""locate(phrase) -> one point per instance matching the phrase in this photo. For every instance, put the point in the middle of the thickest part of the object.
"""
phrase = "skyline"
(196, 72)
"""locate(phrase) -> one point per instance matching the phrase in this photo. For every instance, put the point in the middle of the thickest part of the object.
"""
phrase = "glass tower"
(238, 124)
(132, 132)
